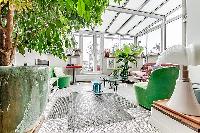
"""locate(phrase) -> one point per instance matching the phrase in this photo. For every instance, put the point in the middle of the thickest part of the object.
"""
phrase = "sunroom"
(113, 66)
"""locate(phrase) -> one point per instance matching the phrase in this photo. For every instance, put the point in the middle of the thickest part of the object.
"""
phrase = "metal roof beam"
(173, 10)
(99, 32)
(134, 12)
(113, 20)
(144, 4)
(169, 13)
(162, 4)
(158, 26)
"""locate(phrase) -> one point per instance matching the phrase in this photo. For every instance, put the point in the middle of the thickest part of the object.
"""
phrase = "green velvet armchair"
(160, 86)
(63, 81)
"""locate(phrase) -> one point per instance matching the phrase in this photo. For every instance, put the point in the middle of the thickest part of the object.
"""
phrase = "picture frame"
(111, 63)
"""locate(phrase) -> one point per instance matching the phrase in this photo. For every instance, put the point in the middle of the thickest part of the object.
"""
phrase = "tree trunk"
(7, 50)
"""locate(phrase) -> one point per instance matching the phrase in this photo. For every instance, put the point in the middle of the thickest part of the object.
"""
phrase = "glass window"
(154, 42)
(110, 43)
(77, 40)
(125, 41)
(174, 33)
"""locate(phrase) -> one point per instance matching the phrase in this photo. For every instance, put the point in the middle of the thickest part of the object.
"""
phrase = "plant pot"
(23, 95)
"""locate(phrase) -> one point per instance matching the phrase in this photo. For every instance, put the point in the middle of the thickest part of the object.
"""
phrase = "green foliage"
(127, 54)
(46, 26)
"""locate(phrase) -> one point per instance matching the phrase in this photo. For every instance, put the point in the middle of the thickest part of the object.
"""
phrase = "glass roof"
(128, 19)
(134, 4)
(142, 25)
(118, 22)
(152, 5)
(136, 19)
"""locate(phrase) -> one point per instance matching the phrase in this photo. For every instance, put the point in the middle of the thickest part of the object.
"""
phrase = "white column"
(146, 60)
(102, 51)
(184, 23)
(135, 40)
(164, 34)
(81, 47)
(94, 53)
(162, 45)
(120, 42)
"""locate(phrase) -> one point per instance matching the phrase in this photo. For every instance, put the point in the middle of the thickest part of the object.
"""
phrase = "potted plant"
(44, 26)
(127, 55)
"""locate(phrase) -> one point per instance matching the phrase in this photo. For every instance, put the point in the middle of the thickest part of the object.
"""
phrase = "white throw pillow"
(59, 72)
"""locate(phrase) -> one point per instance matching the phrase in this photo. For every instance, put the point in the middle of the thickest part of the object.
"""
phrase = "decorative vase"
(77, 52)
(107, 53)
(23, 95)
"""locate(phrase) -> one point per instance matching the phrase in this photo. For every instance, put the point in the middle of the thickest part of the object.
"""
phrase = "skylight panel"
(142, 26)
(152, 4)
(107, 18)
(134, 4)
(118, 22)
(130, 24)
(168, 7)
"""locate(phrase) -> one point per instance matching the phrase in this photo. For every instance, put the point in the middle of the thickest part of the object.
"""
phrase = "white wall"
(55, 61)
(193, 26)
(194, 74)
(193, 33)
(29, 58)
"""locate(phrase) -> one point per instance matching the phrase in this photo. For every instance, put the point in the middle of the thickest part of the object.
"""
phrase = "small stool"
(96, 87)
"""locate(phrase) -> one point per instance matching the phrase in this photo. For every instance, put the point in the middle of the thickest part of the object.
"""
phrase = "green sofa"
(160, 86)
(62, 80)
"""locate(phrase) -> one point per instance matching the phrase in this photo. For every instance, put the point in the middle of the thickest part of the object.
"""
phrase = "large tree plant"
(44, 25)
(126, 55)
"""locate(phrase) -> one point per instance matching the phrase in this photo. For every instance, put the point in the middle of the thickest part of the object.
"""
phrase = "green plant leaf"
(46, 26)
(81, 7)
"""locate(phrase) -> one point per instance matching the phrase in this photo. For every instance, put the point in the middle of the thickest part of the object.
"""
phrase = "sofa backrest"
(162, 82)
(59, 71)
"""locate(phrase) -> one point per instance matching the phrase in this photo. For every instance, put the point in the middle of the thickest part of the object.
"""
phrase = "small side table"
(113, 82)
(73, 68)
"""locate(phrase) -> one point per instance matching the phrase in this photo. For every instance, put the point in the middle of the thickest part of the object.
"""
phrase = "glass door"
(92, 54)
(87, 54)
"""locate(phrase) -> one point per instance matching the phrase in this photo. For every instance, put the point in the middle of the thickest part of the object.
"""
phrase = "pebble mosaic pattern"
(89, 113)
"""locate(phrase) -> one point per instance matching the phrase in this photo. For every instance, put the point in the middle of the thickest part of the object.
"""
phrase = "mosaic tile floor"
(84, 112)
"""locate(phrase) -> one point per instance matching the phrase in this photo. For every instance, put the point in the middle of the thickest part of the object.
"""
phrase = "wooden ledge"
(192, 122)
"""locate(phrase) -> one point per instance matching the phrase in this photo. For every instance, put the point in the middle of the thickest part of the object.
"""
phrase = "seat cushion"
(142, 85)
(59, 72)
